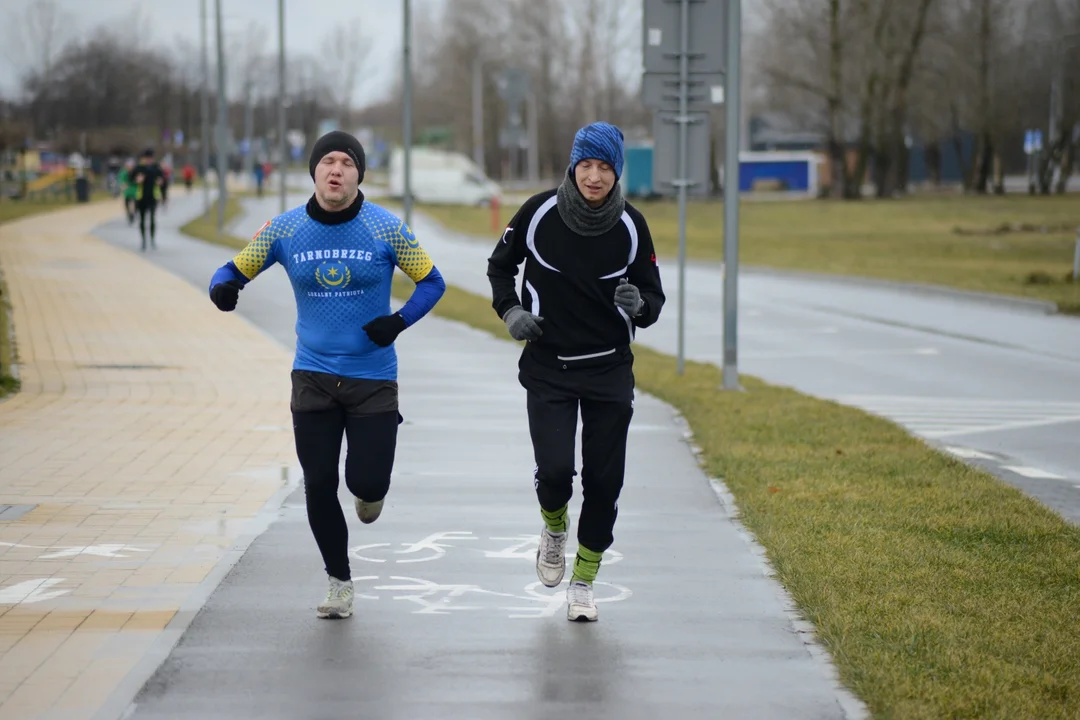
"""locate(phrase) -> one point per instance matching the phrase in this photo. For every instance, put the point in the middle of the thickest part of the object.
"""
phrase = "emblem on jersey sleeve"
(407, 234)
(333, 275)
(265, 225)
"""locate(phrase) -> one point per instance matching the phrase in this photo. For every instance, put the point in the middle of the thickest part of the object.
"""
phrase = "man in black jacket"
(590, 281)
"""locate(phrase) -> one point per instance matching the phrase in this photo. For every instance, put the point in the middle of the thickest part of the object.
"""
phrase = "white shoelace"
(553, 549)
(580, 594)
(338, 591)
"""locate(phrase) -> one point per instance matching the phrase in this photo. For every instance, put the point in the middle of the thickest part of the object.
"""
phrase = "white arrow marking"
(111, 550)
(31, 591)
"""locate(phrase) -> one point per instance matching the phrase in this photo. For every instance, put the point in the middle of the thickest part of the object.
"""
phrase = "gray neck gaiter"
(581, 217)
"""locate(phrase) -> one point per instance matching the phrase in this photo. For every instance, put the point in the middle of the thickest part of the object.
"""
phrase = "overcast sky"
(307, 23)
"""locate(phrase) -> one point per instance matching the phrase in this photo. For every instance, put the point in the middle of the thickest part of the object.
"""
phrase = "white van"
(441, 177)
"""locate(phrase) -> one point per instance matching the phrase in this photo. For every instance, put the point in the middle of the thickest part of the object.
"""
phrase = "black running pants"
(325, 409)
(605, 397)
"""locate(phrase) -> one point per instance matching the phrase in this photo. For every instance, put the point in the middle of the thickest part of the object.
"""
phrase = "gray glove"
(628, 298)
(522, 324)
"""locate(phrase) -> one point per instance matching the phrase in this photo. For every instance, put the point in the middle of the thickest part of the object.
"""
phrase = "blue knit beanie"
(600, 141)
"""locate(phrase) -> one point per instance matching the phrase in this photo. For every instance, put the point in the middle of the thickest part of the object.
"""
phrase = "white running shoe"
(551, 557)
(339, 600)
(579, 602)
(368, 512)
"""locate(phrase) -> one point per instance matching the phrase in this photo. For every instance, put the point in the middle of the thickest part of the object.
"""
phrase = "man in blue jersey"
(340, 252)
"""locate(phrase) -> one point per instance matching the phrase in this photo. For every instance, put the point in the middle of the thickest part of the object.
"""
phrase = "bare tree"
(346, 52)
(36, 38)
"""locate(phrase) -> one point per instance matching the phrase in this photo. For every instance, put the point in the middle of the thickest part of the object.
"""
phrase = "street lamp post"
(222, 128)
(205, 112)
(406, 129)
(283, 143)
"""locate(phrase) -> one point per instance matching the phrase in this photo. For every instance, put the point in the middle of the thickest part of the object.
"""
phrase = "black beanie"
(337, 141)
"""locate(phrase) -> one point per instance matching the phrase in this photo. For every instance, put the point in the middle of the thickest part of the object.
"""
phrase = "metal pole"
(283, 143)
(534, 133)
(732, 122)
(684, 71)
(1076, 258)
(406, 129)
(249, 130)
(478, 113)
(205, 112)
(222, 123)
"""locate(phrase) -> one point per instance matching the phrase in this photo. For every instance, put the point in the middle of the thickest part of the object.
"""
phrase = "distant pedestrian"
(590, 280)
(149, 190)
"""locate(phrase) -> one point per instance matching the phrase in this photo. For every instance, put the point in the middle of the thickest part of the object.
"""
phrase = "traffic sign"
(662, 39)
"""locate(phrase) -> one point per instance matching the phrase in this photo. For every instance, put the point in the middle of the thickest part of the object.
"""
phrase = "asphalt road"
(450, 620)
(995, 383)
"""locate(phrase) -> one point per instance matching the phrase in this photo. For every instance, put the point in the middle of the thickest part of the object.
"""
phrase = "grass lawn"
(8, 383)
(204, 227)
(938, 590)
(15, 209)
(1013, 245)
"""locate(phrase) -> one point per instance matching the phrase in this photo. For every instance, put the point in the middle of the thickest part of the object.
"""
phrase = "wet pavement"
(450, 620)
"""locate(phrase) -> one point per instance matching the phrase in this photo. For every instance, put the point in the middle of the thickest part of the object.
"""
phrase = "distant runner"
(149, 181)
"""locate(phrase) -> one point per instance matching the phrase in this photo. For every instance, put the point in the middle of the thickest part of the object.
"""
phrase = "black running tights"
(372, 440)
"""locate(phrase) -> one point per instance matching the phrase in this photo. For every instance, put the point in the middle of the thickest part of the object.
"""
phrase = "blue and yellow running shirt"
(341, 276)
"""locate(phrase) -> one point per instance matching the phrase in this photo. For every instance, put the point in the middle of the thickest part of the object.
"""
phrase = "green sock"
(555, 520)
(586, 564)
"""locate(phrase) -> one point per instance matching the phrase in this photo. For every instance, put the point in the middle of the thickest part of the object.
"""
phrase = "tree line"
(116, 90)
(872, 74)
(868, 75)
(115, 93)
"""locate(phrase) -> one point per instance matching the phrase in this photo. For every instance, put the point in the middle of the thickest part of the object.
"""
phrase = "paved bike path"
(450, 619)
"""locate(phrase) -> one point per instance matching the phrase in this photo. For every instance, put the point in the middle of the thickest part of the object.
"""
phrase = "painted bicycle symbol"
(536, 601)
(436, 545)
(432, 547)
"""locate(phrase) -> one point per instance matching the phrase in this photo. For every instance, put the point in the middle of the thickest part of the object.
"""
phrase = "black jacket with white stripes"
(570, 280)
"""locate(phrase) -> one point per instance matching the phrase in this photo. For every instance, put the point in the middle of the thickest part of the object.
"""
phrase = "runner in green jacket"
(130, 187)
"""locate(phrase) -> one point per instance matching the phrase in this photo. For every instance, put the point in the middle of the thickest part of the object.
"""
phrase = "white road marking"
(798, 355)
(1034, 473)
(968, 453)
(108, 550)
(943, 417)
(31, 591)
(442, 599)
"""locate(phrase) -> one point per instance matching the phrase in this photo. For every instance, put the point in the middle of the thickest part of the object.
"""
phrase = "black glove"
(226, 294)
(384, 330)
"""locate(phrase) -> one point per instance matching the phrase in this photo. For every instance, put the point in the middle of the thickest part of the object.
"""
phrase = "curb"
(121, 701)
(851, 705)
